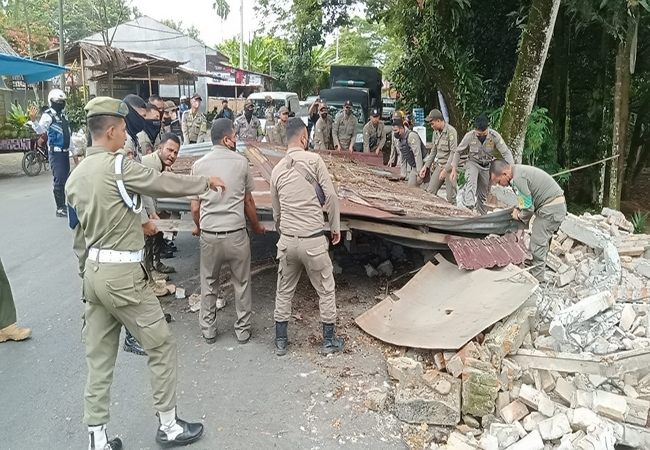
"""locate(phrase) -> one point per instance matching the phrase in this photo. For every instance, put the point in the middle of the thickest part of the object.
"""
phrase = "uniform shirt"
(104, 220)
(296, 209)
(483, 154)
(220, 213)
(194, 125)
(247, 131)
(154, 162)
(413, 141)
(132, 148)
(344, 130)
(395, 154)
(280, 133)
(370, 132)
(269, 115)
(444, 147)
(146, 146)
(534, 188)
(323, 134)
(43, 126)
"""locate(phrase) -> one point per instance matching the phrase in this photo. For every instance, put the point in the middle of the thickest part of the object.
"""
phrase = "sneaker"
(61, 212)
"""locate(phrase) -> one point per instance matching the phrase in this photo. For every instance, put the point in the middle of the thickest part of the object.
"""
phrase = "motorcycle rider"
(54, 123)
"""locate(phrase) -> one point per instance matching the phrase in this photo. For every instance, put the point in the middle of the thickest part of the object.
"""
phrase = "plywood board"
(444, 307)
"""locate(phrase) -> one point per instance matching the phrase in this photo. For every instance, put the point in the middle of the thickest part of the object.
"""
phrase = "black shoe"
(133, 346)
(170, 245)
(191, 433)
(166, 254)
(331, 343)
(211, 340)
(281, 339)
(114, 444)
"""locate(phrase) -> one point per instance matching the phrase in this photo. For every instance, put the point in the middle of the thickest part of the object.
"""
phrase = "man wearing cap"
(269, 116)
(104, 215)
(280, 129)
(538, 194)
(411, 149)
(171, 124)
(221, 223)
(344, 130)
(374, 136)
(438, 161)
(247, 126)
(194, 124)
(298, 214)
(323, 132)
(481, 144)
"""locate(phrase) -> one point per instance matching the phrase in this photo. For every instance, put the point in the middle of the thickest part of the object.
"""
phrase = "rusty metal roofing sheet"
(492, 251)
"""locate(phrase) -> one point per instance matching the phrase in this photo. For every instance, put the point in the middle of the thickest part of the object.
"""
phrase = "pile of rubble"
(568, 370)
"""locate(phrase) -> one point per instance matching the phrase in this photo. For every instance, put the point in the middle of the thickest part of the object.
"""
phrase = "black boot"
(281, 338)
(158, 250)
(132, 346)
(176, 432)
(331, 343)
(59, 199)
(99, 440)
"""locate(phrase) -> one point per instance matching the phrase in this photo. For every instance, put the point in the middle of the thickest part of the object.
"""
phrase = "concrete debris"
(376, 400)
(404, 369)
(385, 269)
(371, 271)
(417, 403)
(194, 302)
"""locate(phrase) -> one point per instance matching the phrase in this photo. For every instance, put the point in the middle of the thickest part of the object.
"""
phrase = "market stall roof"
(32, 71)
(156, 68)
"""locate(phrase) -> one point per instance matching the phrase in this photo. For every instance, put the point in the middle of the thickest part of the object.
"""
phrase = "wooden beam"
(396, 230)
(180, 225)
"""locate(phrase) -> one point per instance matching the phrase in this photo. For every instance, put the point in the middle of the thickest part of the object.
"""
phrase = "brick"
(628, 316)
(610, 405)
(555, 427)
(420, 404)
(556, 264)
(508, 337)
(564, 390)
(583, 231)
(567, 277)
(584, 310)
(532, 420)
(532, 441)
(458, 441)
(547, 380)
(582, 418)
(507, 434)
(513, 412)
(455, 366)
(479, 391)
(571, 260)
(404, 369)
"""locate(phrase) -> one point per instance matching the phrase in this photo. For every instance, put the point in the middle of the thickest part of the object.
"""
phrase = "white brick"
(513, 412)
(555, 427)
(628, 316)
(610, 405)
(533, 441)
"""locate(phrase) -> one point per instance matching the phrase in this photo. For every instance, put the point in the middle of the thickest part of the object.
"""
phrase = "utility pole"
(241, 36)
(61, 46)
(337, 48)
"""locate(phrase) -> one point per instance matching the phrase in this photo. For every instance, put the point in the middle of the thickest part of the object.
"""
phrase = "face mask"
(248, 114)
(348, 112)
(232, 146)
(58, 106)
(167, 121)
(152, 128)
(481, 138)
(396, 135)
(324, 115)
(134, 121)
(268, 102)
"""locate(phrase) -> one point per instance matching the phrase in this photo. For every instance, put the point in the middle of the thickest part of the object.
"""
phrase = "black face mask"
(397, 136)
(152, 128)
(481, 138)
(268, 103)
(324, 115)
(348, 112)
(58, 106)
(167, 121)
(134, 121)
(248, 114)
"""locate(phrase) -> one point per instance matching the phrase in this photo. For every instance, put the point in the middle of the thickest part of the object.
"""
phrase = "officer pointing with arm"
(104, 214)
(300, 186)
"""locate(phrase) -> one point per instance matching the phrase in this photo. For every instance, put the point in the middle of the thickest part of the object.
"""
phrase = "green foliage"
(222, 8)
(639, 221)
(74, 107)
(262, 54)
(16, 124)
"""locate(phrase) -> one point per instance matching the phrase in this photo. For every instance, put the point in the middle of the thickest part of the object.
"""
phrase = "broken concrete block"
(420, 404)
(458, 441)
(567, 277)
(439, 361)
(385, 268)
(480, 389)
(509, 336)
(571, 260)
(535, 399)
(637, 413)
(581, 230)
(510, 372)
(532, 441)
(584, 310)
(630, 391)
(556, 264)
(513, 412)
(600, 438)
(582, 399)
(555, 427)
(610, 405)
(531, 421)
(455, 366)
(547, 380)
(564, 390)
(489, 442)
(376, 400)
(582, 418)
(404, 369)
(643, 267)
(503, 400)
(635, 437)
(440, 382)
(506, 434)
(628, 316)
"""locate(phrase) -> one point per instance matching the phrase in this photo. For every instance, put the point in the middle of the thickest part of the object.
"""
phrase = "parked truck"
(359, 84)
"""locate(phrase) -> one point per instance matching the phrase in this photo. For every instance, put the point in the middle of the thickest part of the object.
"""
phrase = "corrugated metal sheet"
(492, 251)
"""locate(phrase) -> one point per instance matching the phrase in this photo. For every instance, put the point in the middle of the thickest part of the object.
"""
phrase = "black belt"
(317, 234)
(216, 233)
(192, 142)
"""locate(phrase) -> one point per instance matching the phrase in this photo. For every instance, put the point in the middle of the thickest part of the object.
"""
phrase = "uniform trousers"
(477, 186)
(7, 306)
(233, 249)
(116, 295)
(410, 174)
(547, 221)
(60, 165)
(436, 183)
(294, 253)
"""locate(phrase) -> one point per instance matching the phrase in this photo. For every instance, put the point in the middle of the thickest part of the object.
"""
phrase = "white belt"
(114, 256)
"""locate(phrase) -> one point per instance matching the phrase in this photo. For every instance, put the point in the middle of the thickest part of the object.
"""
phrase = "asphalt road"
(245, 396)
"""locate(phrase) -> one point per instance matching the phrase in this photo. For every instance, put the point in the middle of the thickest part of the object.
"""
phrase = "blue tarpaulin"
(32, 71)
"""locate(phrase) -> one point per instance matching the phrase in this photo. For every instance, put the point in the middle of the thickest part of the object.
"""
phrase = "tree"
(222, 8)
(523, 87)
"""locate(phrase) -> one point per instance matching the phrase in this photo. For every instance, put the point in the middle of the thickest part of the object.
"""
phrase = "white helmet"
(56, 95)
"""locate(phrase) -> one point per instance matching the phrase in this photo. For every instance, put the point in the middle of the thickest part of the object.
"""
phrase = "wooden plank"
(181, 225)
(396, 230)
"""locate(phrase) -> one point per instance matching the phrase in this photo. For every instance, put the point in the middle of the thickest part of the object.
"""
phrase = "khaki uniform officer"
(411, 151)
(298, 213)
(269, 116)
(104, 214)
(194, 124)
(374, 136)
(221, 221)
(538, 194)
(9, 331)
(247, 126)
(445, 140)
(344, 130)
(481, 143)
(323, 132)
(280, 130)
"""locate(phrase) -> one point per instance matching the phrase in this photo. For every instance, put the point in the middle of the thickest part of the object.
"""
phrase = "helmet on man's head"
(56, 96)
